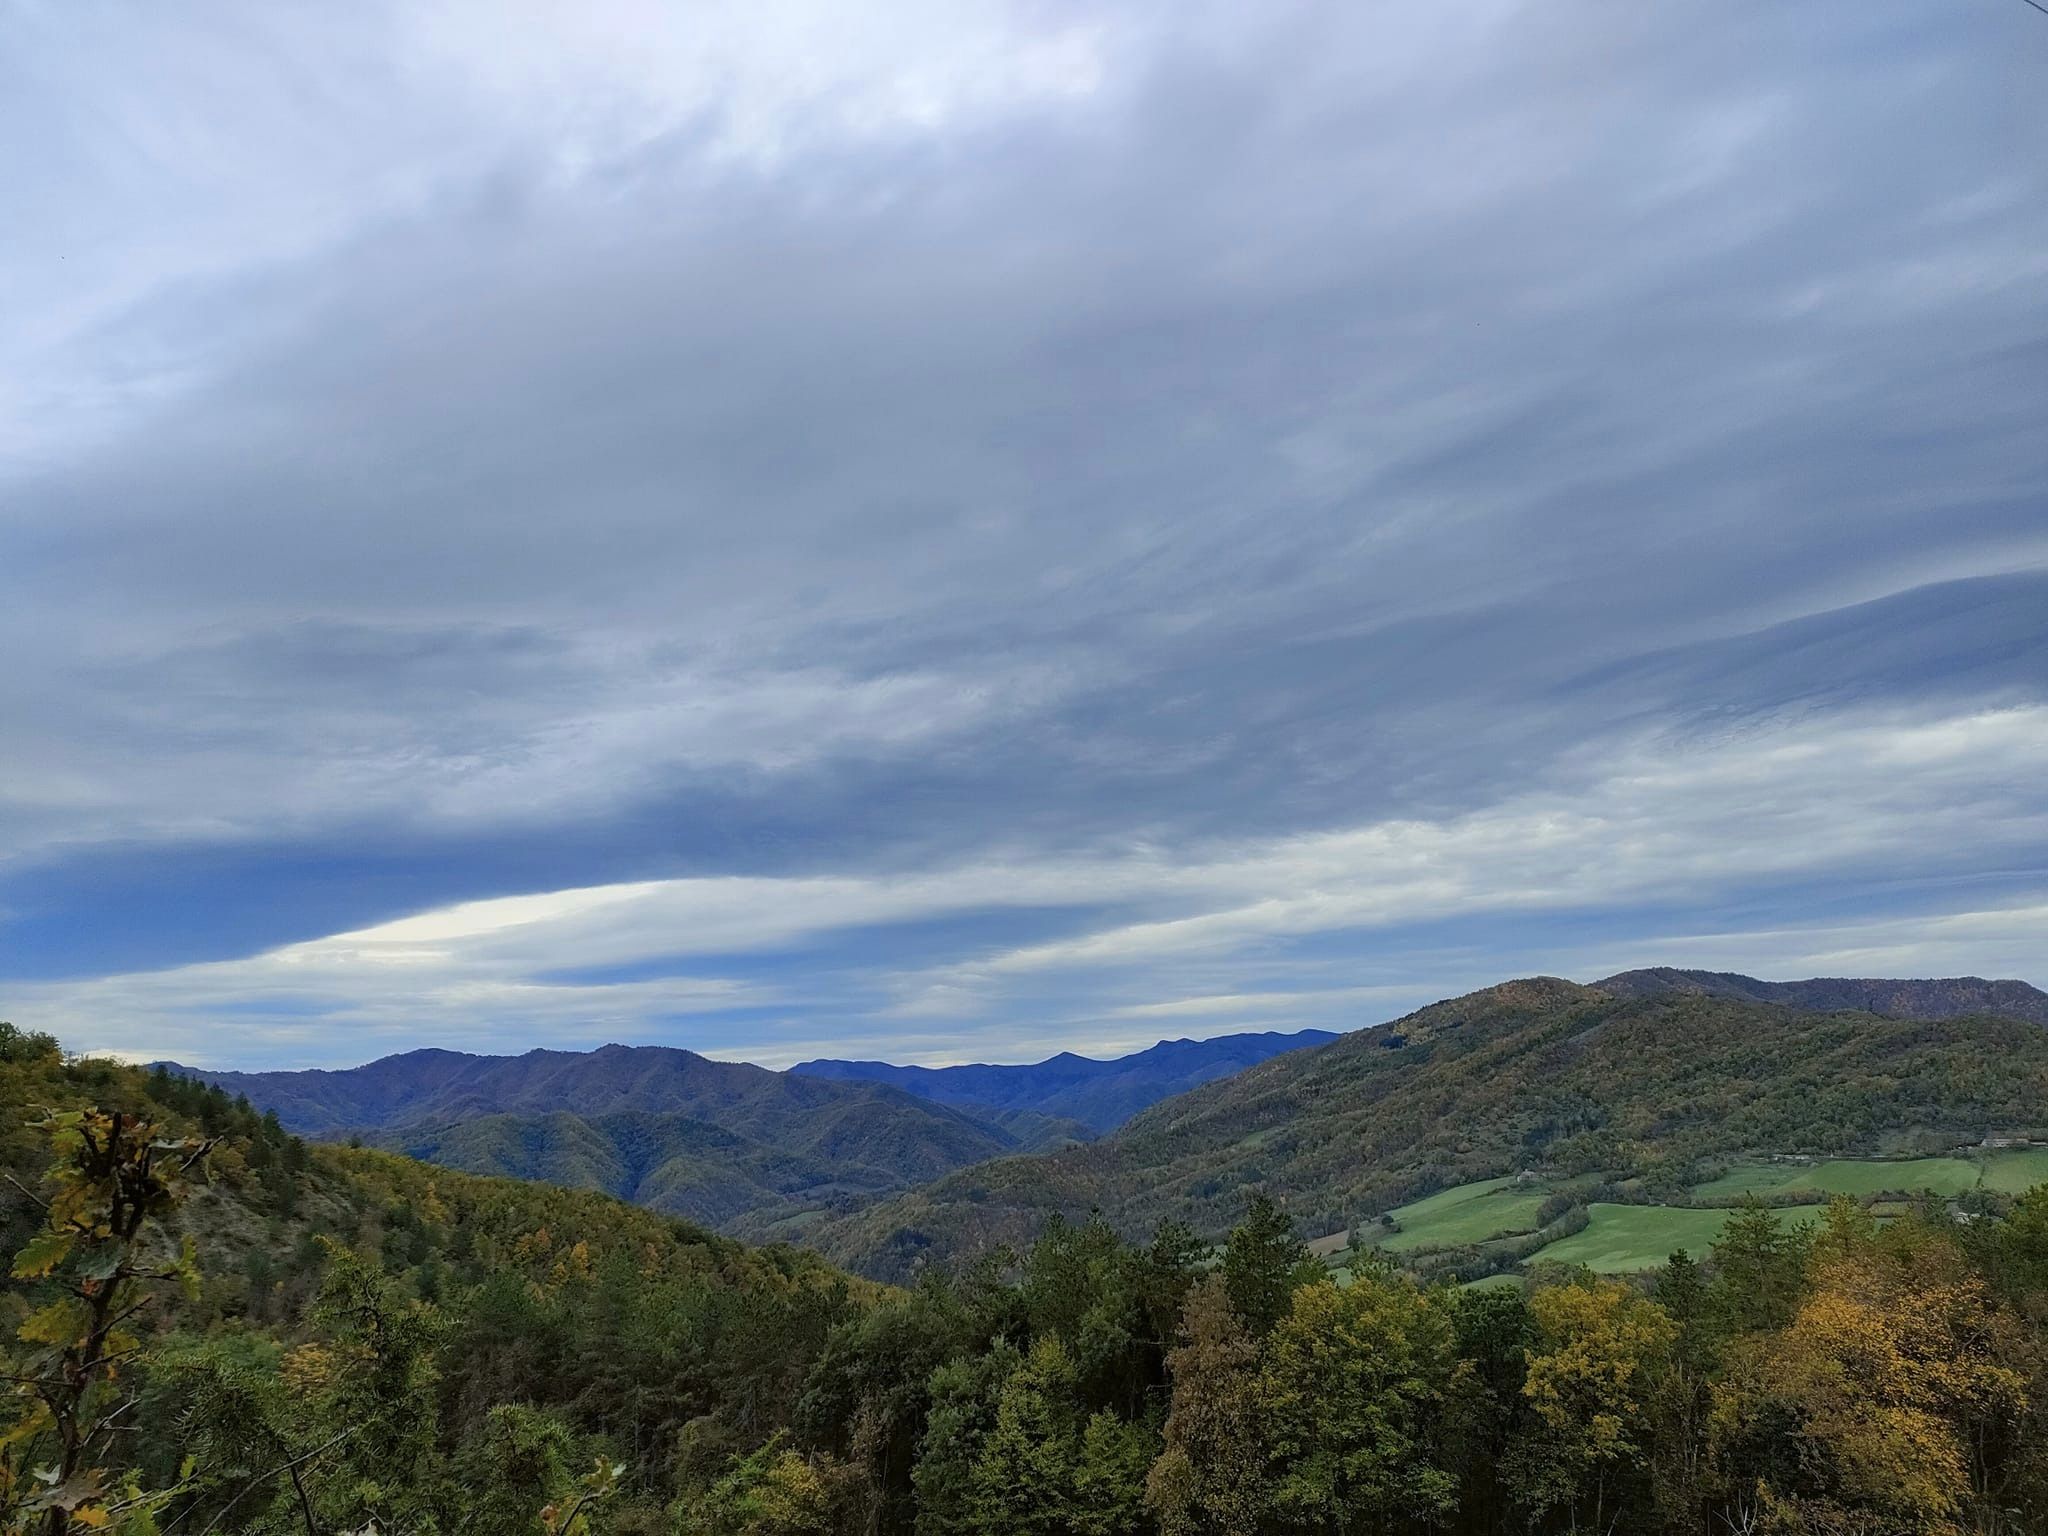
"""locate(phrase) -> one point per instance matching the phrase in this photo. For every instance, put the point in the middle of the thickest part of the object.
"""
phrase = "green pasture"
(2015, 1170)
(1466, 1213)
(2010, 1170)
(1622, 1238)
(1471, 1213)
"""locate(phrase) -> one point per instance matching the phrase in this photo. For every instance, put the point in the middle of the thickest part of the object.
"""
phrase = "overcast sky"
(954, 532)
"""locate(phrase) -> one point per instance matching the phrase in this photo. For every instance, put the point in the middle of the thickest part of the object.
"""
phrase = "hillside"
(1100, 1094)
(435, 1085)
(722, 1142)
(1539, 1074)
(748, 1151)
(839, 1156)
(1945, 998)
(521, 1308)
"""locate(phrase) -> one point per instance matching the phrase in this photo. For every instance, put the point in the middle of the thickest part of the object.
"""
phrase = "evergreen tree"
(1262, 1263)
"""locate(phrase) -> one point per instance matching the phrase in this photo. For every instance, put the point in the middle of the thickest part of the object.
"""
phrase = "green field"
(1468, 1213)
(2009, 1170)
(2015, 1171)
(1492, 1282)
(1621, 1238)
(1842, 1176)
(1471, 1213)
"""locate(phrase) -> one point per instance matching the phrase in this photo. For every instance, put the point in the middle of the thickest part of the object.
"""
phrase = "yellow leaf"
(93, 1516)
(36, 1420)
(55, 1324)
(45, 1251)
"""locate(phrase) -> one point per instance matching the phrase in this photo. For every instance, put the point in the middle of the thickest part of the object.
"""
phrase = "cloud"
(1237, 1004)
(1836, 802)
(964, 509)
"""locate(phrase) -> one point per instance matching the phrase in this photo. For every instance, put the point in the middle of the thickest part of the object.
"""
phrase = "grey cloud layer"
(1026, 431)
(1842, 802)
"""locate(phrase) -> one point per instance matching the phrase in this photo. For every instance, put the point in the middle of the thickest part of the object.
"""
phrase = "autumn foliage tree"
(97, 1258)
(1893, 1374)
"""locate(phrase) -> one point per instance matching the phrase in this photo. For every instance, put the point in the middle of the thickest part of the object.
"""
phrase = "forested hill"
(1944, 998)
(732, 1145)
(430, 1351)
(1530, 1075)
(436, 1086)
(751, 1152)
(1101, 1094)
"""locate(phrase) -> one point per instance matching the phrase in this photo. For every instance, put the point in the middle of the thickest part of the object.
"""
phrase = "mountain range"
(882, 1165)
(750, 1151)
(716, 1141)
(1101, 1095)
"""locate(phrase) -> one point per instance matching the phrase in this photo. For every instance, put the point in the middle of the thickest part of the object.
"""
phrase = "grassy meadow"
(1621, 1238)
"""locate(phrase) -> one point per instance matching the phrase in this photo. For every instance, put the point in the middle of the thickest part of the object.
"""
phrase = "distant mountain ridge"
(718, 1141)
(1950, 997)
(440, 1085)
(738, 1147)
(1100, 1093)
(882, 1166)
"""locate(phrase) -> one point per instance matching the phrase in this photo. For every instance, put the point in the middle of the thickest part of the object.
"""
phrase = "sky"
(948, 531)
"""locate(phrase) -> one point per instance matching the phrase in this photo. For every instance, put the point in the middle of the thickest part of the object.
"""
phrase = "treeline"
(431, 1353)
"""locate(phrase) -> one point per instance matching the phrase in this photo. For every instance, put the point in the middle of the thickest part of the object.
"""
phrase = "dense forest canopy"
(215, 1328)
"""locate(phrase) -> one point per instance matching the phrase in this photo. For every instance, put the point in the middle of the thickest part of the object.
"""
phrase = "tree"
(1210, 1478)
(1760, 1269)
(1262, 1263)
(1484, 1401)
(1084, 1286)
(1022, 1481)
(22, 1046)
(964, 1394)
(1683, 1401)
(1599, 1351)
(101, 1247)
(377, 1412)
(771, 1492)
(1889, 1382)
(514, 1468)
(1109, 1476)
(1172, 1265)
(1352, 1392)
(237, 1426)
(867, 1394)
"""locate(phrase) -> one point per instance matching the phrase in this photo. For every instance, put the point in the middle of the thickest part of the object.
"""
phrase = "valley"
(1539, 1121)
